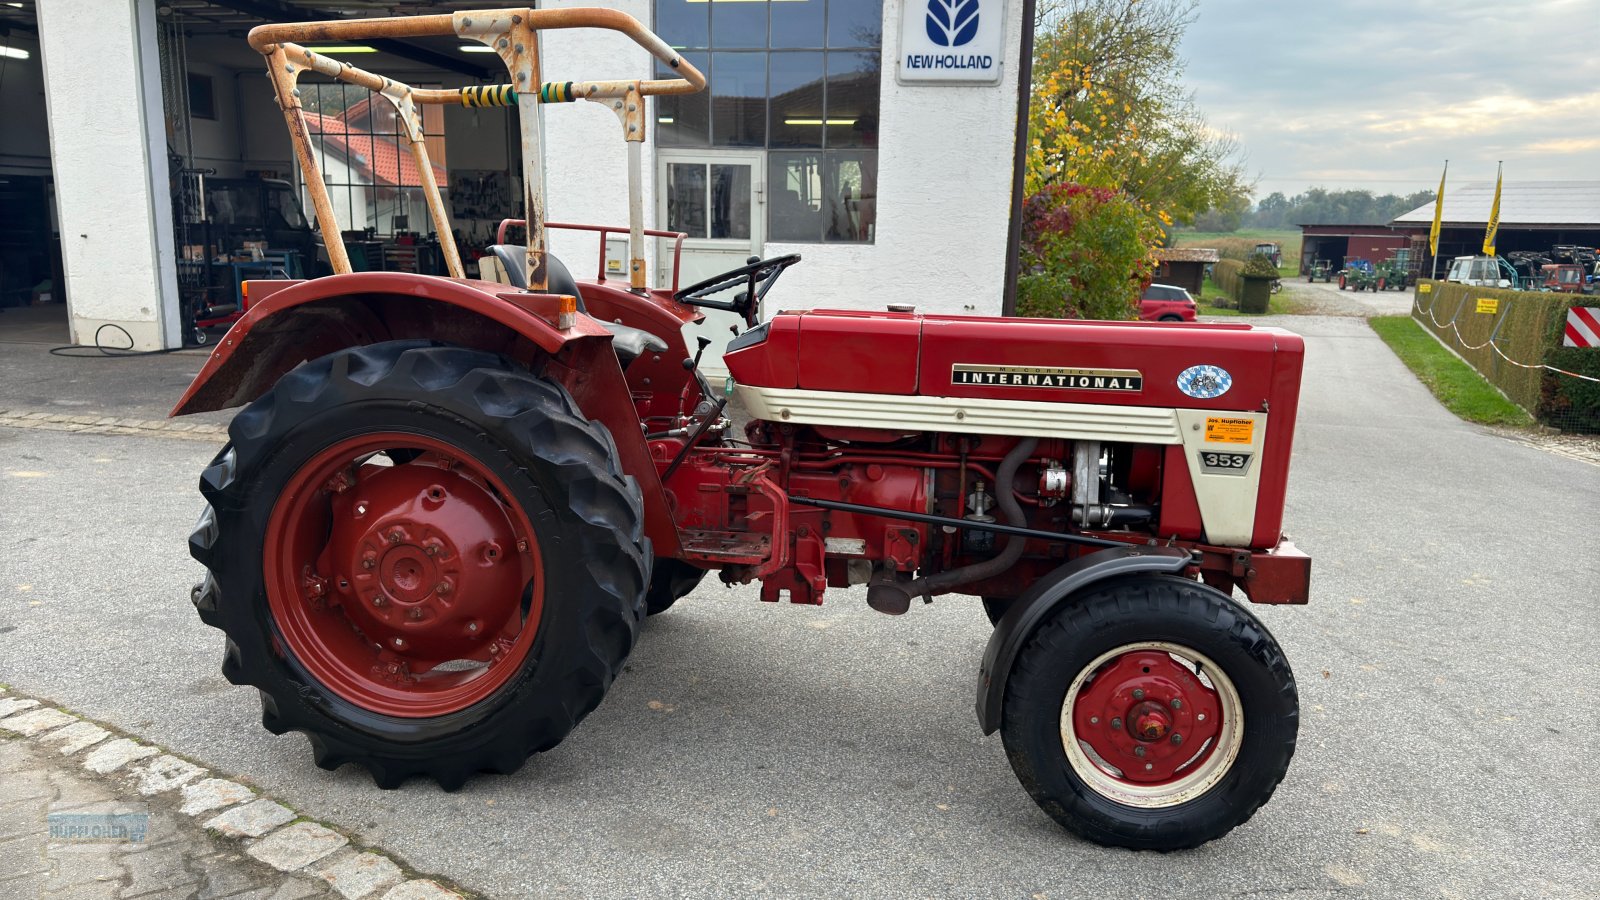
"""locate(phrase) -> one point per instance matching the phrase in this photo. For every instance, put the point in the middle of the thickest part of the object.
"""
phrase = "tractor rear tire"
(670, 581)
(1166, 758)
(996, 607)
(424, 558)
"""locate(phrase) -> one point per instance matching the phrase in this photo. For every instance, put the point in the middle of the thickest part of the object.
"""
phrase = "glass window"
(739, 99)
(856, 23)
(772, 87)
(853, 99)
(798, 23)
(738, 25)
(730, 201)
(796, 88)
(684, 120)
(686, 198)
(684, 23)
(822, 196)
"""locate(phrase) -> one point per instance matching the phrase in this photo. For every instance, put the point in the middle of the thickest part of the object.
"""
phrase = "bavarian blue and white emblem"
(1204, 382)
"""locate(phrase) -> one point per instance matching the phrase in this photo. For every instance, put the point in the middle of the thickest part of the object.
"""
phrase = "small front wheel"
(1151, 713)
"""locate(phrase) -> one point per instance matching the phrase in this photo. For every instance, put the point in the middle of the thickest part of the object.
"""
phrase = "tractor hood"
(1193, 366)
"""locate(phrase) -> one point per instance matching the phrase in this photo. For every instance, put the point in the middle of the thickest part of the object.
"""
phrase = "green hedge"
(1526, 326)
(1229, 275)
(1247, 283)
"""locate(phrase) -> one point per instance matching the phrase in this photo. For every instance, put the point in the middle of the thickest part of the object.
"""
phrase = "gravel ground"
(1446, 664)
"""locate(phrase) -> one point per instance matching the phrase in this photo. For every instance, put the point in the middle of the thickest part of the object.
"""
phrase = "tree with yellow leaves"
(1108, 109)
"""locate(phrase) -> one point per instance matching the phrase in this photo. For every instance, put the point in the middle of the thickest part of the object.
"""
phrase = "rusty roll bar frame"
(513, 35)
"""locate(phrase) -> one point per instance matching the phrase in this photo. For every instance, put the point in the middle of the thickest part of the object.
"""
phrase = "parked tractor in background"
(1565, 278)
(1271, 251)
(448, 504)
(1393, 273)
(1320, 270)
(1358, 275)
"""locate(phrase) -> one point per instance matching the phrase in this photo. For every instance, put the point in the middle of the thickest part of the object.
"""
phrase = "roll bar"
(511, 34)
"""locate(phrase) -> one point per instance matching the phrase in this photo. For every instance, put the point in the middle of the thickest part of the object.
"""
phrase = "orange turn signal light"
(567, 312)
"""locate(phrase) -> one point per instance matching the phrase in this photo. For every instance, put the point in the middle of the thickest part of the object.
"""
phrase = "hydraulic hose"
(1006, 501)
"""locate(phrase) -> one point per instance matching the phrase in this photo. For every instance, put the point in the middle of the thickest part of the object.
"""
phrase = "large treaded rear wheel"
(424, 558)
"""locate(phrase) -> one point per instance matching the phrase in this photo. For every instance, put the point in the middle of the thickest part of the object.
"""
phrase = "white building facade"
(876, 138)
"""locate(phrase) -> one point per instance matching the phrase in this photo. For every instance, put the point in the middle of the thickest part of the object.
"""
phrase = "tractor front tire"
(424, 558)
(670, 581)
(1151, 713)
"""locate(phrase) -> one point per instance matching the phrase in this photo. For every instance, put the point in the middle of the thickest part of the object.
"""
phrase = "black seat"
(628, 341)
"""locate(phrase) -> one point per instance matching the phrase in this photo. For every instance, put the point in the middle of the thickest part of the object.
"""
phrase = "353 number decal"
(1214, 462)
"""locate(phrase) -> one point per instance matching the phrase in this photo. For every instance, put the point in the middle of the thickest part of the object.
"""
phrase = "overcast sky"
(1370, 94)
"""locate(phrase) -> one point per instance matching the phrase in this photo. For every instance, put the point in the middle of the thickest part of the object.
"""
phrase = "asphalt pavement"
(1446, 664)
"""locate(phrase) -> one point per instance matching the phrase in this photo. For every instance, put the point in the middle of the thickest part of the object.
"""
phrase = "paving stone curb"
(172, 428)
(268, 830)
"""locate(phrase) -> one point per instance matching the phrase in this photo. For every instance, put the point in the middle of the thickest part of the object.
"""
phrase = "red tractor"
(448, 503)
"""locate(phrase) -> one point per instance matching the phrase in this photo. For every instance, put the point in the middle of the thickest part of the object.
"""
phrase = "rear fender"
(290, 322)
(1045, 597)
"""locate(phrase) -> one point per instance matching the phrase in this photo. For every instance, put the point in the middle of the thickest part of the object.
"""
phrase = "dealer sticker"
(1223, 430)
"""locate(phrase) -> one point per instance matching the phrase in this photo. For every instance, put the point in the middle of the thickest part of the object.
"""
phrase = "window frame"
(771, 145)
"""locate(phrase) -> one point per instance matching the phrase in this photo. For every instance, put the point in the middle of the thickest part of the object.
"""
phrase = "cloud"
(1376, 94)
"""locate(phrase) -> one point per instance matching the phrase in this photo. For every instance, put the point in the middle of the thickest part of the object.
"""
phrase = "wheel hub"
(1146, 715)
(418, 556)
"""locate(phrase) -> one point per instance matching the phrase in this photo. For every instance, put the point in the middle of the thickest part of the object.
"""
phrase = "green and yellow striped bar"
(488, 95)
(556, 92)
(505, 95)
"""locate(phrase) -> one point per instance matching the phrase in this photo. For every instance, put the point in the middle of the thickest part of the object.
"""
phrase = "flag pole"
(1438, 218)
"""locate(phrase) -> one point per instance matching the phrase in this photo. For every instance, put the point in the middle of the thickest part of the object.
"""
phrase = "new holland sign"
(952, 40)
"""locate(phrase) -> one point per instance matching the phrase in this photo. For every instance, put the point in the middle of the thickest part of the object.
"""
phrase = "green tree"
(1108, 109)
(1086, 253)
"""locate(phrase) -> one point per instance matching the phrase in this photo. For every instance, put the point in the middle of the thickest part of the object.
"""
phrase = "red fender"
(289, 322)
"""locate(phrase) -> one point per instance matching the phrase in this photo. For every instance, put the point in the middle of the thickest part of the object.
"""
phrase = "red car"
(1166, 303)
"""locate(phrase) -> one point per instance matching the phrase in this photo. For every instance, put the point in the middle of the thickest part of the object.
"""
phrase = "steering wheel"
(758, 275)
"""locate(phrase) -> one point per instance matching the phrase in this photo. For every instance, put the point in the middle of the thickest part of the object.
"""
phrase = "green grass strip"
(1457, 385)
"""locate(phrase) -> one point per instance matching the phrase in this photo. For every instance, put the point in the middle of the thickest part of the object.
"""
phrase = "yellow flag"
(1438, 209)
(1494, 218)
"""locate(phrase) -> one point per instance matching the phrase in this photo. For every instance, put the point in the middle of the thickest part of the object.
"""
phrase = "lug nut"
(472, 627)
(442, 587)
(1176, 703)
(1116, 723)
(396, 536)
(1138, 694)
(415, 615)
(1139, 750)
(1094, 720)
(378, 600)
(1176, 738)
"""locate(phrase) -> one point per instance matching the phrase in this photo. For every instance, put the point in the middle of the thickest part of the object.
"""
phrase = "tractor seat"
(629, 342)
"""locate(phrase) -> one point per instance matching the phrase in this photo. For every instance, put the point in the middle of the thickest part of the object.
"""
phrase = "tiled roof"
(1521, 203)
(1186, 254)
(379, 157)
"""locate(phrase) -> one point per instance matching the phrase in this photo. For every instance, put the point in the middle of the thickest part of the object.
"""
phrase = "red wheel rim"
(1152, 724)
(407, 583)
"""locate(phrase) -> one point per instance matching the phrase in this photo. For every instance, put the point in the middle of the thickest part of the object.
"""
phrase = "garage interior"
(238, 210)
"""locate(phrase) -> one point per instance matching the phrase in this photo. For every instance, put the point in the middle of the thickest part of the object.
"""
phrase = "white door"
(715, 197)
